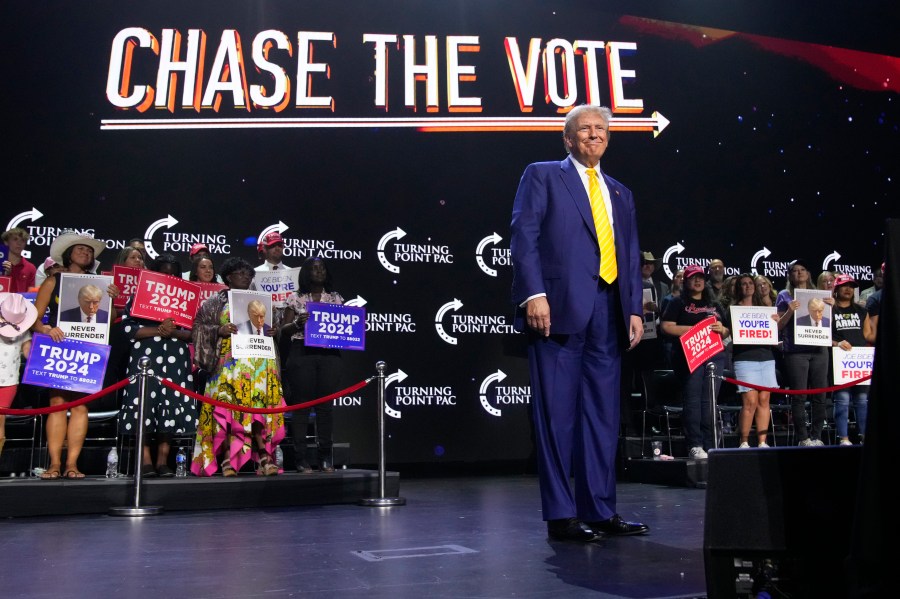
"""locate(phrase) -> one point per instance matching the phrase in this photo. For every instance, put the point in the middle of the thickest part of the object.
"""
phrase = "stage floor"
(456, 537)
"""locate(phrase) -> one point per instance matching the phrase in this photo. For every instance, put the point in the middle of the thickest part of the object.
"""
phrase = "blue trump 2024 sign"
(71, 365)
(335, 326)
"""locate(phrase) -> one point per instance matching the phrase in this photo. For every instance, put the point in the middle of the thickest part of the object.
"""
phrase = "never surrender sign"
(160, 296)
(335, 326)
(700, 343)
(70, 365)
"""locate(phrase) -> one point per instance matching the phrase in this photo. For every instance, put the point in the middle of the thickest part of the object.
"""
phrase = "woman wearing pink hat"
(16, 317)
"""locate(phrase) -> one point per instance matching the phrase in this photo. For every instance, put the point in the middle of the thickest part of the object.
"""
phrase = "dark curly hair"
(162, 260)
(234, 264)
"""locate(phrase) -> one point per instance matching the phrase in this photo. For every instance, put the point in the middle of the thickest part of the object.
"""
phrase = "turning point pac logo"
(502, 395)
(409, 252)
(406, 395)
(495, 256)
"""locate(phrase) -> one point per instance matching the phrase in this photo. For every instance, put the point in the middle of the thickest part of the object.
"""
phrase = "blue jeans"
(860, 396)
(696, 418)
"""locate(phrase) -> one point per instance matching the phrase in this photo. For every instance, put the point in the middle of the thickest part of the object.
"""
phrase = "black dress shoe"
(571, 529)
(616, 526)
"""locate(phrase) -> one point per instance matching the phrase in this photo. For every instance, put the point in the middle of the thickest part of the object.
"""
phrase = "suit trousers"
(575, 400)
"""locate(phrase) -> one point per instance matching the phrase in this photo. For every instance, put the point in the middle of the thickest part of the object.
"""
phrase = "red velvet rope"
(115, 387)
(236, 408)
(799, 391)
(65, 405)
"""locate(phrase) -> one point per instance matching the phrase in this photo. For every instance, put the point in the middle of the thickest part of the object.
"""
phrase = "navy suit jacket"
(247, 328)
(806, 321)
(74, 315)
(555, 251)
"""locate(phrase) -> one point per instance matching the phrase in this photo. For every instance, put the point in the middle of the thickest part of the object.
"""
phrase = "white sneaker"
(806, 443)
(697, 453)
(763, 445)
(846, 442)
(817, 443)
(744, 445)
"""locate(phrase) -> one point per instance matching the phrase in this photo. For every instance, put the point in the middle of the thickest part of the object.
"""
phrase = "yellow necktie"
(608, 267)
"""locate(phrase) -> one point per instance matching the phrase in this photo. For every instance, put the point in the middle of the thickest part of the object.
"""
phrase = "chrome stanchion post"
(137, 509)
(381, 500)
(713, 405)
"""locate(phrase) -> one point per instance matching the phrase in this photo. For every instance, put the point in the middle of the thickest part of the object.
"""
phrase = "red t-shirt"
(22, 276)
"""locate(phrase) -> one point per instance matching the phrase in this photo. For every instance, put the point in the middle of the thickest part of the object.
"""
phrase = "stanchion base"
(147, 510)
(382, 501)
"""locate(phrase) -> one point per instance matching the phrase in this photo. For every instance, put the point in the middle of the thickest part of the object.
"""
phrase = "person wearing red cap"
(848, 323)
(696, 303)
(271, 247)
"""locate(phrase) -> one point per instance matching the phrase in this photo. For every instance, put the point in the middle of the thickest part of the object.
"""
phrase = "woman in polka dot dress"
(167, 412)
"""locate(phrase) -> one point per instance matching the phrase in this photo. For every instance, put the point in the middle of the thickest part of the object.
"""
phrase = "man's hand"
(537, 315)
(637, 329)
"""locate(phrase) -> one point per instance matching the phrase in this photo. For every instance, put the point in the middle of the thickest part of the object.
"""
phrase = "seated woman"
(225, 436)
(77, 253)
(167, 412)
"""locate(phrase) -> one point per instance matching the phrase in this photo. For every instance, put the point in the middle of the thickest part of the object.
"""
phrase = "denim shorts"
(758, 373)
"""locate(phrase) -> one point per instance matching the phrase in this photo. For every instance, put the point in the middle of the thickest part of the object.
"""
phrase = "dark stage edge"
(96, 495)
(673, 473)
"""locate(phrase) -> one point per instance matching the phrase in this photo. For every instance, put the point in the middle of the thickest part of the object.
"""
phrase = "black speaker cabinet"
(778, 520)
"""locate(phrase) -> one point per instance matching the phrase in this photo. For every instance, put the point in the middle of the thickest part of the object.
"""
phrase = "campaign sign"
(126, 279)
(700, 343)
(252, 346)
(853, 364)
(70, 365)
(754, 325)
(280, 283)
(160, 296)
(4, 252)
(649, 316)
(812, 320)
(85, 308)
(336, 326)
(5, 284)
(207, 290)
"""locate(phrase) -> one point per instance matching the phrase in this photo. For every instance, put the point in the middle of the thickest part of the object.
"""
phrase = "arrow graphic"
(482, 391)
(397, 233)
(167, 222)
(677, 248)
(397, 377)
(763, 253)
(32, 215)
(356, 301)
(493, 239)
(454, 305)
(832, 256)
(280, 228)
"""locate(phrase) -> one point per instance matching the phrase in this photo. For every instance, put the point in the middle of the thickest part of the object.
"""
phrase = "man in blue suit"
(581, 308)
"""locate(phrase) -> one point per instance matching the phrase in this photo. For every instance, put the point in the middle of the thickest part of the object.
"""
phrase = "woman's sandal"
(267, 467)
(74, 475)
(50, 474)
(227, 469)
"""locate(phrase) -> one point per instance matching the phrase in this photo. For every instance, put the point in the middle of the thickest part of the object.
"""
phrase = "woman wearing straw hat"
(76, 252)
(17, 315)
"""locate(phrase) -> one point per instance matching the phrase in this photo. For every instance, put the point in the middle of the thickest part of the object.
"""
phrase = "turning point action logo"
(305, 248)
(404, 396)
(502, 395)
(496, 256)
(410, 252)
(468, 324)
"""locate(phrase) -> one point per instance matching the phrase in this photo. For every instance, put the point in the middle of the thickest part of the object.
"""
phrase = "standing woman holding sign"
(76, 252)
(226, 436)
(312, 371)
(695, 304)
(166, 411)
(753, 364)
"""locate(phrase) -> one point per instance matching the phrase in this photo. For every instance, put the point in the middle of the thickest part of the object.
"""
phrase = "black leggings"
(313, 372)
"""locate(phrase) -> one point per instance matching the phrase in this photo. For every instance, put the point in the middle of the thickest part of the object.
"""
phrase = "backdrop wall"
(390, 137)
